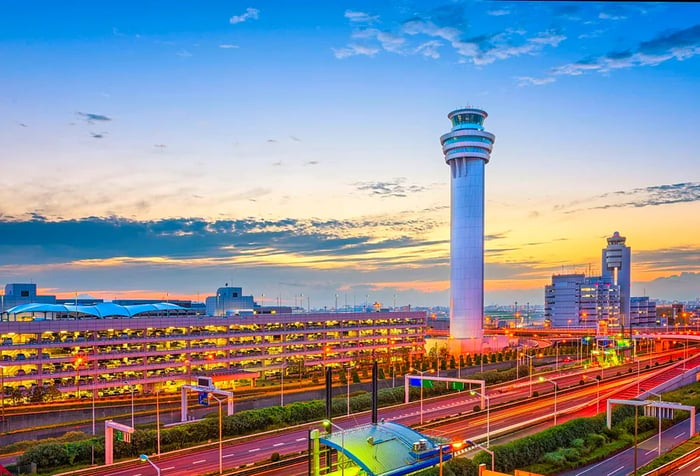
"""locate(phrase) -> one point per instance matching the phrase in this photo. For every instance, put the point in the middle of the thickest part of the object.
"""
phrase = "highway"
(506, 401)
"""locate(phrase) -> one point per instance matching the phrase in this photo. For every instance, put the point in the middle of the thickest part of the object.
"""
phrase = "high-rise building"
(467, 149)
(574, 300)
(616, 265)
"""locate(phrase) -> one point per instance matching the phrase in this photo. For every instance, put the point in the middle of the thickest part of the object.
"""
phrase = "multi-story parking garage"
(115, 349)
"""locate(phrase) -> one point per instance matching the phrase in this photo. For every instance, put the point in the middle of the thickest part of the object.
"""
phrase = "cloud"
(360, 17)
(295, 139)
(93, 242)
(655, 195)
(354, 50)
(228, 46)
(160, 146)
(679, 44)
(312, 162)
(498, 13)
(608, 16)
(90, 117)
(95, 135)
(250, 14)
(530, 81)
(395, 188)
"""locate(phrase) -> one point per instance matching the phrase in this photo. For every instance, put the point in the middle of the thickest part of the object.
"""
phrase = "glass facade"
(467, 118)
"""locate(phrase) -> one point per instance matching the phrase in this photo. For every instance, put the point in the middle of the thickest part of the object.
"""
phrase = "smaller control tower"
(617, 261)
(467, 149)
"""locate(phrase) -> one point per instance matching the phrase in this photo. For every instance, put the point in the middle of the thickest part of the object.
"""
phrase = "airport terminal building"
(111, 348)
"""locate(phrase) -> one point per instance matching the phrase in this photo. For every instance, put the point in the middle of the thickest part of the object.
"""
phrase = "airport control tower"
(467, 148)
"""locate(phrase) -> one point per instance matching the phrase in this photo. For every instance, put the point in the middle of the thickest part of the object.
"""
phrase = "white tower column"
(467, 148)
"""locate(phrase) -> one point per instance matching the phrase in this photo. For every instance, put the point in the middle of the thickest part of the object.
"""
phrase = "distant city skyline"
(166, 149)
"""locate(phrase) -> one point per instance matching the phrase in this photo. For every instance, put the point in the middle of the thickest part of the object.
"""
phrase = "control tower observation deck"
(467, 149)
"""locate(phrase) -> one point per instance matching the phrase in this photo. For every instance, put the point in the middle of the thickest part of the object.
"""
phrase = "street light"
(158, 420)
(530, 365)
(658, 415)
(221, 445)
(488, 416)
(327, 425)
(347, 382)
(421, 372)
(2, 389)
(474, 443)
(79, 360)
(146, 459)
(543, 379)
(126, 382)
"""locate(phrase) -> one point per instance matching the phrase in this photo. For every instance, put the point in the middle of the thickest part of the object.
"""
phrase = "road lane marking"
(615, 471)
(301, 439)
(254, 449)
(169, 467)
(585, 471)
(278, 444)
(688, 463)
(139, 474)
(199, 461)
(228, 456)
(678, 436)
(698, 467)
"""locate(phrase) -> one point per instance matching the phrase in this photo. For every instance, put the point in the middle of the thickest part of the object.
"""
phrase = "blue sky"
(170, 147)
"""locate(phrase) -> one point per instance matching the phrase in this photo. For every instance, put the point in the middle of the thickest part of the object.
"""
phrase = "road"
(238, 452)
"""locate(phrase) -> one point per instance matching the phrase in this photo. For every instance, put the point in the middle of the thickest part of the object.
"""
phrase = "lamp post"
(488, 416)
(126, 382)
(543, 379)
(221, 445)
(327, 424)
(158, 422)
(347, 382)
(658, 415)
(421, 372)
(530, 366)
(79, 360)
(146, 459)
(284, 367)
(474, 443)
(2, 398)
(597, 398)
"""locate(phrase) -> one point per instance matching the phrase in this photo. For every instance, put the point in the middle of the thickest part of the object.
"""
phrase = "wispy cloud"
(498, 13)
(360, 17)
(530, 81)
(354, 50)
(395, 188)
(228, 46)
(679, 45)
(655, 195)
(91, 117)
(250, 14)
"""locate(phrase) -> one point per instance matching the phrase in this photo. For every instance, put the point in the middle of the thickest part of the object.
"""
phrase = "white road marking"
(688, 463)
(678, 436)
(585, 471)
(139, 474)
(199, 461)
(696, 468)
(618, 469)
(653, 450)
(301, 439)
(278, 444)
(253, 450)
(228, 456)
(169, 467)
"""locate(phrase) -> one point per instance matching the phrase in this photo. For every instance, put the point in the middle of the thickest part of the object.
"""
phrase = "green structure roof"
(385, 449)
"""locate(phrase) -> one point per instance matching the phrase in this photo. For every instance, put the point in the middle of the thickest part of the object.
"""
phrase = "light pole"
(221, 445)
(126, 382)
(158, 422)
(597, 398)
(658, 415)
(488, 416)
(284, 367)
(474, 443)
(347, 382)
(530, 366)
(2, 398)
(79, 360)
(146, 459)
(327, 424)
(421, 372)
(543, 379)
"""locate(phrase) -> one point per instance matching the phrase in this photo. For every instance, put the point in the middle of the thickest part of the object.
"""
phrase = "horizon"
(165, 150)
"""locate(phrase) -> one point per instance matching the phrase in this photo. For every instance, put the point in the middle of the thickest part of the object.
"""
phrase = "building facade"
(616, 265)
(164, 346)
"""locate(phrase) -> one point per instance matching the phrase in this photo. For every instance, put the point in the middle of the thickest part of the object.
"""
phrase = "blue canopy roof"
(103, 309)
